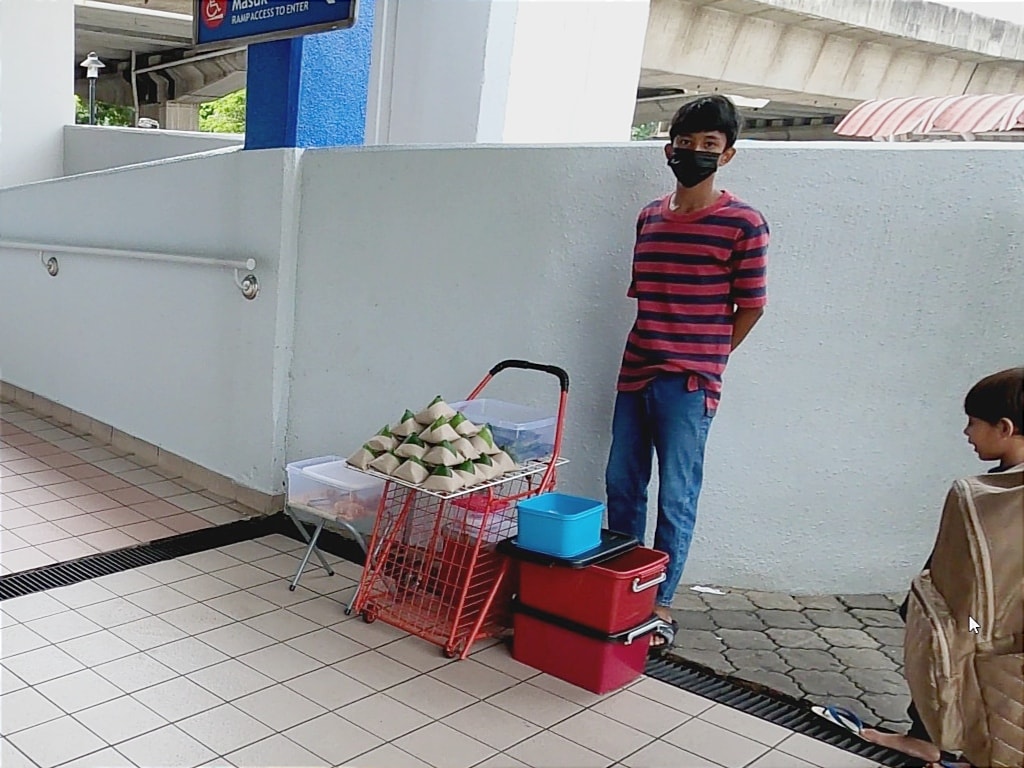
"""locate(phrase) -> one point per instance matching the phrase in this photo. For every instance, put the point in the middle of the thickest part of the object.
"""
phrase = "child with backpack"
(964, 643)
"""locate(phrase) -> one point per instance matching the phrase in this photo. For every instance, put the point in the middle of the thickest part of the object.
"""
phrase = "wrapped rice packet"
(383, 440)
(386, 463)
(443, 480)
(362, 458)
(503, 462)
(437, 409)
(439, 431)
(466, 448)
(467, 472)
(484, 441)
(411, 448)
(412, 471)
(464, 426)
(485, 468)
(443, 455)
(406, 426)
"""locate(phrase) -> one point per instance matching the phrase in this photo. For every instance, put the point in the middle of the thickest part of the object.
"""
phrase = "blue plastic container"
(559, 525)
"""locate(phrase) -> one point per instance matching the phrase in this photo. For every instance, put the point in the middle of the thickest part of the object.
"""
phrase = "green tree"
(106, 114)
(644, 132)
(225, 115)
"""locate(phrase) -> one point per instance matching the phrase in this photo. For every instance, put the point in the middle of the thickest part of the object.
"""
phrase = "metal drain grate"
(106, 563)
(770, 706)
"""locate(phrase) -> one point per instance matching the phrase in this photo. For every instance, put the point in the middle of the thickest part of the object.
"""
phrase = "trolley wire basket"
(432, 568)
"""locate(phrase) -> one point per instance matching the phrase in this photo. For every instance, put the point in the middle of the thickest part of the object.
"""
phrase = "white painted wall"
(37, 45)
(99, 148)
(505, 71)
(169, 353)
(895, 284)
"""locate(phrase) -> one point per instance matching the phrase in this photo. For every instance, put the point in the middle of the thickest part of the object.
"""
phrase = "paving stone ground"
(840, 649)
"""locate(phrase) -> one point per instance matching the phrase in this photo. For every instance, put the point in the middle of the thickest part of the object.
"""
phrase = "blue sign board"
(224, 23)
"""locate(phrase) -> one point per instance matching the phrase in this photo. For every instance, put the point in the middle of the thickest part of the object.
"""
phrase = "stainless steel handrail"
(248, 285)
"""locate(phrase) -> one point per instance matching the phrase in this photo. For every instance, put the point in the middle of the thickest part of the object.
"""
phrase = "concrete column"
(310, 91)
(498, 71)
(37, 87)
(179, 116)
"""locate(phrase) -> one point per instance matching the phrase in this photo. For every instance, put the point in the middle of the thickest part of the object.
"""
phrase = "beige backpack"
(968, 686)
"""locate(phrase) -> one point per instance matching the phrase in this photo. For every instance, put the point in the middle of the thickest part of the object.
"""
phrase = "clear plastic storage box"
(525, 433)
(330, 488)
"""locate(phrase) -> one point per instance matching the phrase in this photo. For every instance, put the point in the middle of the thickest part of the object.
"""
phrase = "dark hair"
(999, 396)
(706, 114)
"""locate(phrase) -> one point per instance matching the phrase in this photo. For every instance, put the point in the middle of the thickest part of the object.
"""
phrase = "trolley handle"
(526, 365)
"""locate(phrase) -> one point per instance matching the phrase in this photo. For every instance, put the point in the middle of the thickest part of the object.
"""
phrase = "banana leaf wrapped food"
(439, 430)
(386, 463)
(437, 409)
(406, 426)
(362, 458)
(412, 448)
(443, 480)
(383, 440)
(412, 471)
(464, 426)
(444, 455)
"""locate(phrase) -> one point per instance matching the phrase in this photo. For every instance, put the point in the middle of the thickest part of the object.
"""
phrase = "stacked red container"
(591, 624)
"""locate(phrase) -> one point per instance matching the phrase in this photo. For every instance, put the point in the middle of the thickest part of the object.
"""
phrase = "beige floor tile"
(219, 515)
(109, 540)
(59, 627)
(42, 664)
(333, 738)
(746, 725)
(168, 747)
(18, 638)
(502, 761)
(196, 618)
(323, 611)
(330, 688)
(498, 657)
(245, 576)
(387, 755)
(279, 707)
(160, 599)
(279, 594)
(716, 744)
(79, 690)
(190, 502)
(236, 639)
(187, 656)
(536, 705)
(9, 542)
(821, 754)
(568, 691)
(105, 758)
(156, 509)
(474, 678)
(494, 727)
(148, 633)
(280, 624)
(81, 594)
(82, 525)
(26, 708)
(326, 646)
(67, 549)
(375, 635)
(25, 466)
(83, 472)
(130, 496)
(225, 729)
(281, 752)
(71, 489)
(13, 483)
(241, 605)
(209, 561)
(18, 517)
(31, 607)
(106, 483)
(56, 742)
(163, 489)
(120, 719)
(148, 531)
(280, 542)
(384, 716)
(127, 582)
(119, 517)
(204, 587)
(439, 745)
(95, 502)
(661, 754)
(113, 613)
(184, 523)
(55, 511)
(48, 479)
(170, 571)
(140, 476)
(42, 533)
(248, 551)
(231, 679)
(640, 713)
(135, 672)
(97, 648)
(677, 698)
(375, 670)
(432, 697)
(549, 750)
(776, 759)
(280, 662)
(602, 735)
(30, 496)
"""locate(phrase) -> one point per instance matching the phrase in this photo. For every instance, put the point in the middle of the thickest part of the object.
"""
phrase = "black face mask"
(691, 166)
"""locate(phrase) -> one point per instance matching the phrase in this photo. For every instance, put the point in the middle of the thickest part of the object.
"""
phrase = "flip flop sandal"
(844, 718)
(667, 632)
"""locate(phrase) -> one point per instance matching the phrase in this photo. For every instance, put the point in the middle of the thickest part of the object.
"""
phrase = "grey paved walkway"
(842, 649)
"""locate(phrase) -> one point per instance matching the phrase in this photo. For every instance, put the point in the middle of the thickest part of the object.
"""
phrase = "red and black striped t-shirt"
(689, 271)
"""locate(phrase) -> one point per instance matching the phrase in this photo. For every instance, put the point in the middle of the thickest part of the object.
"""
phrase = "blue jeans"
(663, 417)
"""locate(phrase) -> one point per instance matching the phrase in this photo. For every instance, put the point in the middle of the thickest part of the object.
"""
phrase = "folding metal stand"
(302, 516)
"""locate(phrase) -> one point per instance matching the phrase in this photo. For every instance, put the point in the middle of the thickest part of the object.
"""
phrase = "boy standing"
(698, 277)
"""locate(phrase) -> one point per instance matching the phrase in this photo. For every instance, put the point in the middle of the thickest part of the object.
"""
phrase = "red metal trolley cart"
(432, 569)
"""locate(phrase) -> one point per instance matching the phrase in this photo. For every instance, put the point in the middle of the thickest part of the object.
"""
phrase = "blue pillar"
(310, 91)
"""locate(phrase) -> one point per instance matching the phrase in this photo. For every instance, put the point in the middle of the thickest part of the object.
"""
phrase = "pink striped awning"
(920, 115)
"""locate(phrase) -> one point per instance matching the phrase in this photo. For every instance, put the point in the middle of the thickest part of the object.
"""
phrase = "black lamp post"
(92, 65)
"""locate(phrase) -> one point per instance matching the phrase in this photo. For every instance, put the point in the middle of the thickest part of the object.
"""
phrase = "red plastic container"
(610, 597)
(598, 664)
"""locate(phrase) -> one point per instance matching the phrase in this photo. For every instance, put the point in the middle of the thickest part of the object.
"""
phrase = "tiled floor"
(210, 660)
(65, 496)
